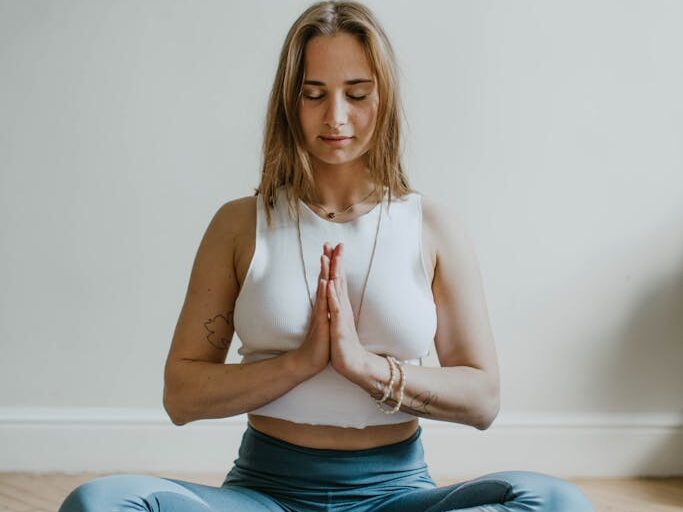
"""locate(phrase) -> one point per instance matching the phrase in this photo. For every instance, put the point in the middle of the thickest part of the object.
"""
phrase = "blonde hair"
(285, 160)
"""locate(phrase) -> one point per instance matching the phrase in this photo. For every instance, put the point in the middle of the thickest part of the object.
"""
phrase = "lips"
(334, 138)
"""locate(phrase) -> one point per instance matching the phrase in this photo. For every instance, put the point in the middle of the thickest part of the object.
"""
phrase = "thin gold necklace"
(372, 258)
(333, 215)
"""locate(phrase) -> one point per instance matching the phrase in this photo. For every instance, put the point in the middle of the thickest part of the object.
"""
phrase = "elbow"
(489, 410)
(488, 417)
(175, 418)
(171, 408)
(171, 412)
(172, 397)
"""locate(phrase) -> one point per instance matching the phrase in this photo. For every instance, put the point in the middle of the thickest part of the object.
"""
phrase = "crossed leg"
(504, 491)
(128, 492)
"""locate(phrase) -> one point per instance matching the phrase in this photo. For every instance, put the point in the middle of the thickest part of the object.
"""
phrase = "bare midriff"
(332, 437)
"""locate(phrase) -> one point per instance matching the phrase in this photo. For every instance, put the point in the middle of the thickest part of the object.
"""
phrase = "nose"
(337, 111)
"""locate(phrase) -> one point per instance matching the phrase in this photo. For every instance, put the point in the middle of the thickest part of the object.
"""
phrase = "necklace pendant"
(330, 215)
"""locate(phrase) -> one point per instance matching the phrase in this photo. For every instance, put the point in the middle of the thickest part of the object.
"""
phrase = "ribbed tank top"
(398, 316)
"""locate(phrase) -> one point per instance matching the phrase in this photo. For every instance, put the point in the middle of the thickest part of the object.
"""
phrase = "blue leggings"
(274, 475)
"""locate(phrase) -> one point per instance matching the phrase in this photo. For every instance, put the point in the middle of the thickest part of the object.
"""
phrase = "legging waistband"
(263, 460)
(251, 431)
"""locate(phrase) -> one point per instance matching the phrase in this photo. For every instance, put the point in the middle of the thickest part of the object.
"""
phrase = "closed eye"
(357, 98)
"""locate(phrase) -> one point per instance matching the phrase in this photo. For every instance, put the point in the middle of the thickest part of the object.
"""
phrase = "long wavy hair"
(286, 161)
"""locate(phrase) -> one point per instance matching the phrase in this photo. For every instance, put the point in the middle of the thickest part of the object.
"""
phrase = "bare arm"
(465, 389)
(197, 382)
(203, 390)
(458, 394)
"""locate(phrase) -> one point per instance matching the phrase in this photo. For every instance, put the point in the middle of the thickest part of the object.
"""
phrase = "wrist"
(377, 374)
(297, 366)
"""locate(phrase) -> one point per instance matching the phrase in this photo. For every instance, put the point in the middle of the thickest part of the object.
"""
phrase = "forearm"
(459, 394)
(197, 390)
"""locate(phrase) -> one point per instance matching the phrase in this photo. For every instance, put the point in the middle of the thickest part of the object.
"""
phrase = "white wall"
(554, 129)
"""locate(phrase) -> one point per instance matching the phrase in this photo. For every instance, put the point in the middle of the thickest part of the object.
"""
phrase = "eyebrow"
(348, 82)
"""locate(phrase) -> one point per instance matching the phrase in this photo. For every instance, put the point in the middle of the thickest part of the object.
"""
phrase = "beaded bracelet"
(402, 385)
(393, 361)
(387, 388)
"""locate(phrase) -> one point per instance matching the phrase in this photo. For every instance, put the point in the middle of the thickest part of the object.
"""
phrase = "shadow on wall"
(644, 367)
(625, 315)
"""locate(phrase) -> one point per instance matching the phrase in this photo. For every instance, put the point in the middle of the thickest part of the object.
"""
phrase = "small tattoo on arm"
(219, 330)
(421, 401)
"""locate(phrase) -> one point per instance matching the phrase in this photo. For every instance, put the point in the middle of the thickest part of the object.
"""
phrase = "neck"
(338, 186)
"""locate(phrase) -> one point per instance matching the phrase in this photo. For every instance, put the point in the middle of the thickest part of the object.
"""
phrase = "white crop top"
(398, 316)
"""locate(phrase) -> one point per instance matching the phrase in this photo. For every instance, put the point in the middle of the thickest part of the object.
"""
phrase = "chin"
(336, 157)
(336, 161)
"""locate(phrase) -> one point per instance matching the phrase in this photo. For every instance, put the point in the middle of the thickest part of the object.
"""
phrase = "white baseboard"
(144, 440)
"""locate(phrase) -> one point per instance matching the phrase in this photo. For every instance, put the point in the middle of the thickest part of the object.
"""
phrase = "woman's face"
(339, 98)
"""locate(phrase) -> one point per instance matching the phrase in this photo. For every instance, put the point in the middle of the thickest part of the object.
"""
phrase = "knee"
(568, 496)
(83, 498)
(551, 493)
(93, 495)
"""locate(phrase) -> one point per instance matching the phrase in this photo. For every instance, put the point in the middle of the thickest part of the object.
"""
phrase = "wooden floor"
(30, 492)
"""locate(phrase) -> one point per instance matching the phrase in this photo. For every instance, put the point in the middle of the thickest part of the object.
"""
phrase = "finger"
(340, 260)
(332, 300)
(322, 284)
(319, 292)
(334, 269)
(340, 274)
(321, 299)
(325, 266)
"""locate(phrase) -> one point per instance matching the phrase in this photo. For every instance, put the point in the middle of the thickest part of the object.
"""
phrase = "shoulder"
(234, 214)
(239, 205)
(231, 223)
(443, 227)
(436, 213)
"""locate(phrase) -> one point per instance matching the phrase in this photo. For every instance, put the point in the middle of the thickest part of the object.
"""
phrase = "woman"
(332, 379)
